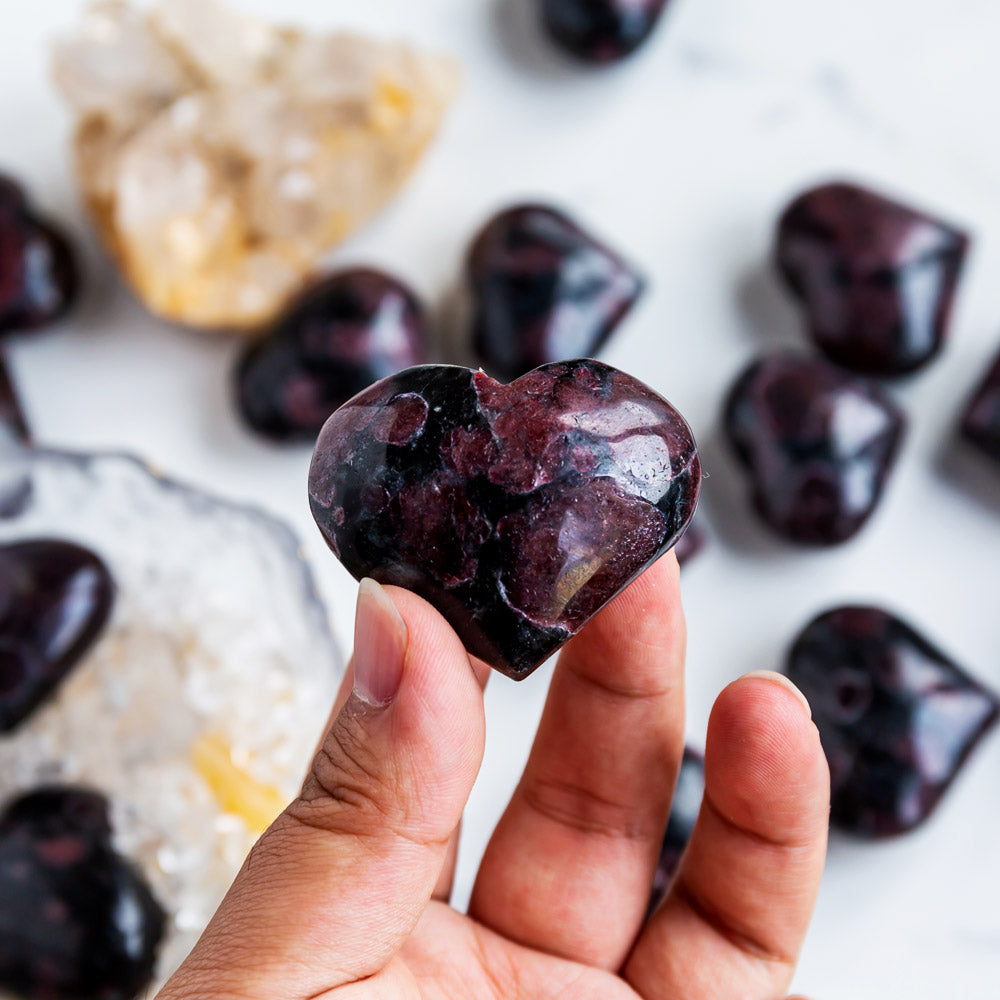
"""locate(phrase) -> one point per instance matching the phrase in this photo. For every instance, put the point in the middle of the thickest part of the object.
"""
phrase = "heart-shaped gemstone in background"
(517, 510)
(55, 599)
(543, 290)
(76, 920)
(818, 443)
(897, 718)
(877, 278)
(981, 420)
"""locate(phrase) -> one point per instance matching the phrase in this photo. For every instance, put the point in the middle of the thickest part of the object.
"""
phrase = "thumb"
(338, 882)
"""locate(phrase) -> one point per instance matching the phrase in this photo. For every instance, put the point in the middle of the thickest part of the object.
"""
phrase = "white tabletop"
(681, 158)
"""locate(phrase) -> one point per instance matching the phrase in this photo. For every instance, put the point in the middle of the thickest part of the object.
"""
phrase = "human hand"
(345, 897)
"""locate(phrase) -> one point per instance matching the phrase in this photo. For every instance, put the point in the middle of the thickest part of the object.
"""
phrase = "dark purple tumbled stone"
(13, 426)
(981, 420)
(77, 921)
(600, 31)
(897, 718)
(684, 811)
(55, 599)
(877, 278)
(517, 510)
(38, 275)
(343, 334)
(543, 290)
(818, 443)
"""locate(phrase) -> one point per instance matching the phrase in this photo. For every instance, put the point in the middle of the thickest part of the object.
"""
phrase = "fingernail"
(379, 646)
(776, 678)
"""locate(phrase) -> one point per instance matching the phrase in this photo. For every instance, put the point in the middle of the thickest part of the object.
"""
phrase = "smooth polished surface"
(600, 31)
(981, 421)
(683, 814)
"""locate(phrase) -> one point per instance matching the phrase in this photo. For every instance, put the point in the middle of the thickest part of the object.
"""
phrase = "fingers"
(339, 881)
(734, 919)
(569, 867)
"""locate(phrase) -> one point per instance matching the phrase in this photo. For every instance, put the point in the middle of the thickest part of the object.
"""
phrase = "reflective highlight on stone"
(877, 278)
(897, 718)
(981, 420)
(819, 445)
(600, 31)
(544, 290)
(684, 811)
(517, 510)
(77, 920)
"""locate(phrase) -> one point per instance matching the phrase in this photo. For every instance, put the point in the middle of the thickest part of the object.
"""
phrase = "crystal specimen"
(981, 421)
(346, 332)
(55, 599)
(198, 710)
(684, 811)
(38, 275)
(222, 156)
(897, 718)
(601, 31)
(517, 510)
(77, 919)
(818, 443)
(877, 278)
(543, 290)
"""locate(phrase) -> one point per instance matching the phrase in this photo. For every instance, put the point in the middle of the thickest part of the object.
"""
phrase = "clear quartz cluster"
(197, 711)
(221, 156)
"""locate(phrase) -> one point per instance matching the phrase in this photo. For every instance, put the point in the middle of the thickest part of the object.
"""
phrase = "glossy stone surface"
(517, 510)
(13, 426)
(684, 811)
(897, 718)
(981, 420)
(38, 275)
(346, 332)
(819, 445)
(76, 919)
(600, 31)
(543, 290)
(877, 278)
(55, 599)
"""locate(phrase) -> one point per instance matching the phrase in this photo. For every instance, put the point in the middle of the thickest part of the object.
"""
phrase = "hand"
(345, 897)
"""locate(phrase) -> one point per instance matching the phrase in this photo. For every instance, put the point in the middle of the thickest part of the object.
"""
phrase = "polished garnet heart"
(877, 278)
(600, 31)
(981, 421)
(543, 291)
(684, 811)
(55, 599)
(819, 445)
(897, 718)
(517, 510)
(76, 919)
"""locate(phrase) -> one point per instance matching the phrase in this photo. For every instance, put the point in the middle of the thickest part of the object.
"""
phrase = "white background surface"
(682, 158)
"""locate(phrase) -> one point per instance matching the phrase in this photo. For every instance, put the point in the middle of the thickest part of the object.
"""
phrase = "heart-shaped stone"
(819, 445)
(76, 919)
(55, 598)
(517, 510)
(543, 290)
(897, 718)
(981, 420)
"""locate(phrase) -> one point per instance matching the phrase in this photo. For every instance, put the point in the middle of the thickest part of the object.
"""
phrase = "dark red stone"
(981, 421)
(818, 443)
(877, 278)
(343, 334)
(600, 31)
(897, 718)
(684, 811)
(77, 921)
(55, 599)
(38, 275)
(517, 510)
(543, 291)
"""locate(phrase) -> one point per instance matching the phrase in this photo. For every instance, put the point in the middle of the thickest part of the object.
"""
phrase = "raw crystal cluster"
(517, 510)
(197, 709)
(221, 156)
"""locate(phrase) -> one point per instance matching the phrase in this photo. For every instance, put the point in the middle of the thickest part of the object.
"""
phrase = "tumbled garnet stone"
(684, 811)
(38, 276)
(600, 31)
(55, 599)
(877, 278)
(818, 443)
(77, 921)
(517, 510)
(897, 718)
(13, 426)
(543, 290)
(981, 421)
(343, 334)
